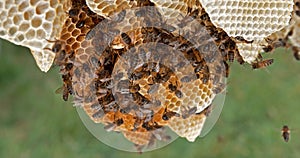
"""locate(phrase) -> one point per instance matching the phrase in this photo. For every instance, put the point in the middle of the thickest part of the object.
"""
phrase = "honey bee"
(262, 64)
(134, 88)
(204, 17)
(109, 127)
(139, 75)
(57, 47)
(200, 66)
(187, 78)
(296, 52)
(126, 39)
(208, 110)
(297, 4)
(272, 44)
(220, 87)
(98, 114)
(178, 94)
(140, 99)
(230, 56)
(65, 93)
(241, 39)
(230, 44)
(205, 77)
(187, 113)
(188, 18)
(96, 106)
(119, 122)
(120, 17)
(226, 69)
(297, 12)
(239, 58)
(168, 114)
(73, 12)
(172, 87)
(285, 133)
(125, 110)
(69, 66)
(150, 127)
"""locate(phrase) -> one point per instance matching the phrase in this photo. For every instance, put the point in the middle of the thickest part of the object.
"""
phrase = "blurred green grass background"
(35, 122)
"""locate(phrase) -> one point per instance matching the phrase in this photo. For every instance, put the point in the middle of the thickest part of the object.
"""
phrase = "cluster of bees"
(124, 100)
(125, 96)
(69, 42)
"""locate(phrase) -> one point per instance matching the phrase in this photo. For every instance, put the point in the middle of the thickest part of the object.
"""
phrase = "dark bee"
(241, 39)
(125, 110)
(296, 52)
(98, 114)
(230, 44)
(57, 47)
(73, 12)
(140, 99)
(208, 110)
(186, 79)
(178, 94)
(139, 75)
(120, 17)
(220, 87)
(216, 79)
(150, 127)
(205, 77)
(200, 66)
(119, 122)
(239, 58)
(226, 69)
(188, 18)
(230, 56)
(297, 12)
(65, 95)
(134, 88)
(168, 114)
(204, 17)
(69, 66)
(109, 127)
(187, 113)
(126, 39)
(80, 24)
(172, 87)
(262, 64)
(285, 133)
(96, 106)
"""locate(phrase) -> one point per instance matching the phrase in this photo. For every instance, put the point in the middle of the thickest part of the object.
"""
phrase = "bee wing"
(59, 90)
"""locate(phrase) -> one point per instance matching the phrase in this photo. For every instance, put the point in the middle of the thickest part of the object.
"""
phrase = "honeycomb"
(108, 8)
(155, 87)
(190, 127)
(33, 24)
(252, 20)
